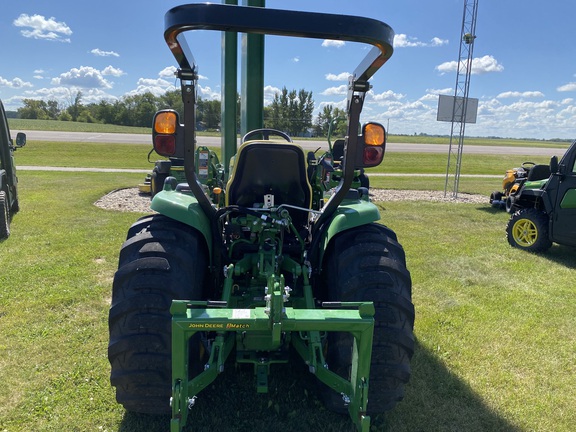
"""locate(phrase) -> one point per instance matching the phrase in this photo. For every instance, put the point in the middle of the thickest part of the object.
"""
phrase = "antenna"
(460, 101)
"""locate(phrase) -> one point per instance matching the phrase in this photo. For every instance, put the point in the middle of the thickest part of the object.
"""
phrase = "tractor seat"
(338, 150)
(270, 168)
(539, 172)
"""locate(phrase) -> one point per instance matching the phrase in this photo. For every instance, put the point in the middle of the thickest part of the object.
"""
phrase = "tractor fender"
(348, 216)
(184, 208)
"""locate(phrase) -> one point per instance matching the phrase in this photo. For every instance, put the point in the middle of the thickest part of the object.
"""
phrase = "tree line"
(290, 111)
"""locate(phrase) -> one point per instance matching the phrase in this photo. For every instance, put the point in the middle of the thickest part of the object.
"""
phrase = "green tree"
(328, 115)
(208, 113)
(290, 111)
(172, 100)
(33, 109)
(75, 106)
(53, 109)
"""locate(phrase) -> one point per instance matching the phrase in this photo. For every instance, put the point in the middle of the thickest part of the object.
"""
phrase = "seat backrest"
(338, 150)
(539, 172)
(266, 167)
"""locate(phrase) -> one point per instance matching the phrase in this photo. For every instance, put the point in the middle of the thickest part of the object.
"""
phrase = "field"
(496, 344)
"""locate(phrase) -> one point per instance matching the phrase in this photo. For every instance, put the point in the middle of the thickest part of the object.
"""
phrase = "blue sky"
(524, 69)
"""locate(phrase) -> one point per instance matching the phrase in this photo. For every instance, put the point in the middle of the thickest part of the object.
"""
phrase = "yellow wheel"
(525, 232)
(528, 229)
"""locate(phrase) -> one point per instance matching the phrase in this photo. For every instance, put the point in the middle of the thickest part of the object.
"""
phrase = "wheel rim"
(525, 232)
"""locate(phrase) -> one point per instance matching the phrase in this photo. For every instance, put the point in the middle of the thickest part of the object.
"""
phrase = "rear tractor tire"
(4, 216)
(368, 264)
(528, 229)
(162, 260)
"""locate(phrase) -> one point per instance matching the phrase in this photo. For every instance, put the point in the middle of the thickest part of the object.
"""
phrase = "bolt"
(191, 401)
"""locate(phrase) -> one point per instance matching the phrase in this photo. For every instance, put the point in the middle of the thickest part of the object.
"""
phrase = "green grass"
(55, 125)
(494, 326)
(97, 155)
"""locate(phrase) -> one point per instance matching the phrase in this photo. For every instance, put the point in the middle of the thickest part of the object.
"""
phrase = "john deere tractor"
(280, 252)
(544, 210)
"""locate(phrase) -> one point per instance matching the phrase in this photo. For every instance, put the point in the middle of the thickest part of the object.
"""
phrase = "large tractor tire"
(162, 260)
(4, 216)
(528, 229)
(368, 263)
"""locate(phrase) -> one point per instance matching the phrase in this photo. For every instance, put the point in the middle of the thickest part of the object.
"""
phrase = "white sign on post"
(450, 109)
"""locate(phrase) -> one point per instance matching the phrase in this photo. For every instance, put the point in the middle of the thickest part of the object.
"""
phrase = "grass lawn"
(496, 341)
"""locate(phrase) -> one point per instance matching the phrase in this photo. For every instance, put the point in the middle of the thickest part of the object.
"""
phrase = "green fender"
(183, 208)
(535, 184)
(349, 215)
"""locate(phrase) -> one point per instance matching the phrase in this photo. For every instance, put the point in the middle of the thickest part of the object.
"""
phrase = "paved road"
(308, 144)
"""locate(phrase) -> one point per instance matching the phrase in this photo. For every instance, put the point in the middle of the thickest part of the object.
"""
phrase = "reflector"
(165, 145)
(373, 156)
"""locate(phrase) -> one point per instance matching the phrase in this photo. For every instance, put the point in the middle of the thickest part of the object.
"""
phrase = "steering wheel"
(528, 165)
(265, 134)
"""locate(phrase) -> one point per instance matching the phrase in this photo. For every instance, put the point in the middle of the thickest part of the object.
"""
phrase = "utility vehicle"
(271, 252)
(9, 204)
(544, 210)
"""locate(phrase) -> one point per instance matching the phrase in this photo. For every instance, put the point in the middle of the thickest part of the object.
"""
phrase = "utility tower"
(460, 102)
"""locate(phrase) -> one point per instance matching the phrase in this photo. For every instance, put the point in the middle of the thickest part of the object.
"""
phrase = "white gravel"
(130, 200)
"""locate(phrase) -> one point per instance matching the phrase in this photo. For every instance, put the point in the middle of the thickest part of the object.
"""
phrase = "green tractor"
(9, 204)
(544, 210)
(281, 253)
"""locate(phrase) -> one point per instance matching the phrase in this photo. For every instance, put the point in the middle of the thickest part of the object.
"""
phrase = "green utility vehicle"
(544, 210)
(280, 253)
(8, 180)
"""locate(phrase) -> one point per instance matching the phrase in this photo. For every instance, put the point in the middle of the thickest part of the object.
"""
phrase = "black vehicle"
(8, 180)
(545, 212)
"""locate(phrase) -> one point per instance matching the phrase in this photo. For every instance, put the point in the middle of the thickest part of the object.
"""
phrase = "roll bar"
(246, 19)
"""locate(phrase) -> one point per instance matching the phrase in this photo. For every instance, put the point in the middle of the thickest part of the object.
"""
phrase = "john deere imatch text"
(271, 252)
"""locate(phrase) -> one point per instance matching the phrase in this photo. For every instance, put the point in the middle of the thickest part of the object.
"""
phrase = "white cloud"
(343, 76)
(340, 90)
(386, 96)
(340, 105)
(83, 77)
(436, 41)
(403, 41)
(436, 92)
(333, 43)
(65, 95)
(516, 94)
(100, 53)
(296, 59)
(42, 28)
(269, 92)
(567, 87)
(208, 94)
(110, 70)
(480, 65)
(168, 72)
(157, 86)
(14, 83)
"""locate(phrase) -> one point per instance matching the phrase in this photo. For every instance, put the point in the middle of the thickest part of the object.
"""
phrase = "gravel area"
(130, 200)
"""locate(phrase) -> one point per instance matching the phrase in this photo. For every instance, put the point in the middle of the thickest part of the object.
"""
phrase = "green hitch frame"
(305, 327)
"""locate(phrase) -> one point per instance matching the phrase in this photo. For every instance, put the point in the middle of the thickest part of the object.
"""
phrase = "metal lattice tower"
(468, 36)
